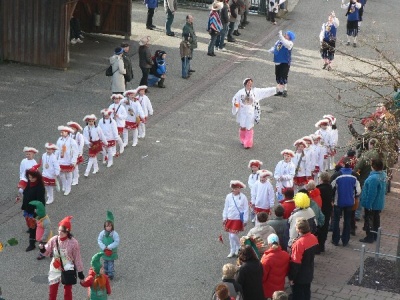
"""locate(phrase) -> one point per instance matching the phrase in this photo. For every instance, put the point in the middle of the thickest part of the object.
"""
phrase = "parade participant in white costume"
(284, 173)
(67, 156)
(262, 194)
(94, 139)
(334, 139)
(254, 166)
(109, 128)
(302, 166)
(147, 109)
(51, 170)
(319, 152)
(27, 163)
(324, 132)
(235, 215)
(135, 116)
(246, 107)
(80, 141)
(119, 114)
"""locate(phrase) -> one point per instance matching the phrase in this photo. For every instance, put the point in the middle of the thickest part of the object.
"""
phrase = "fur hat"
(308, 139)
(116, 96)
(66, 222)
(141, 87)
(237, 184)
(106, 111)
(255, 163)
(322, 122)
(65, 128)
(89, 117)
(30, 149)
(288, 152)
(331, 119)
(40, 209)
(301, 200)
(129, 92)
(95, 262)
(74, 125)
(316, 136)
(51, 146)
(300, 141)
(264, 173)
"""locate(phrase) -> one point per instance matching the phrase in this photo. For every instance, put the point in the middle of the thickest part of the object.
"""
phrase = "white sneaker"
(134, 144)
(49, 202)
(125, 144)
(74, 183)
(121, 150)
(67, 193)
(222, 50)
(78, 40)
(95, 171)
(81, 36)
(73, 41)
(86, 174)
(109, 165)
(230, 255)
(237, 252)
(104, 161)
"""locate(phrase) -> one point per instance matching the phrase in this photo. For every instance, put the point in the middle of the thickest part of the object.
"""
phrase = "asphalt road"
(166, 194)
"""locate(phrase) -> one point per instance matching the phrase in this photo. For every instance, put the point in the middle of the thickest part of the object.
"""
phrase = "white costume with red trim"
(304, 169)
(119, 114)
(135, 111)
(50, 170)
(109, 128)
(262, 196)
(328, 143)
(284, 173)
(80, 141)
(25, 164)
(94, 138)
(67, 156)
(147, 110)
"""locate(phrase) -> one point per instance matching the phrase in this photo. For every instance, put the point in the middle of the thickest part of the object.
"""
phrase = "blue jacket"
(151, 3)
(374, 189)
(346, 188)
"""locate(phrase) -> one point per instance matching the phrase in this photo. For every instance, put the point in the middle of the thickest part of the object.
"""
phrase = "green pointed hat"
(110, 217)
(40, 209)
(96, 264)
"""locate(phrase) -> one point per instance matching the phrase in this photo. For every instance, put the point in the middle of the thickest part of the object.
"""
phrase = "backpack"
(109, 71)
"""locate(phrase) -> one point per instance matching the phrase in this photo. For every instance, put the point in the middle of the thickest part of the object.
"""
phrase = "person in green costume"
(97, 282)
(108, 241)
(43, 225)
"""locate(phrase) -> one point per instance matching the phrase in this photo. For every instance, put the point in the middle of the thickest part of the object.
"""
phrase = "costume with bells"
(51, 170)
(119, 114)
(70, 256)
(80, 141)
(98, 284)
(108, 242)
(67, 155)
(43, 225)
(110, 131)
(95, 139)
(235, 215)
(135, 116)
(246, 107)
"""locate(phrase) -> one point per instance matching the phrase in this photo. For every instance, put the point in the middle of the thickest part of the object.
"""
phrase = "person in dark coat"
(127, 63)
(250, 274)
(34, 191)
(327, 205)
(145, 61)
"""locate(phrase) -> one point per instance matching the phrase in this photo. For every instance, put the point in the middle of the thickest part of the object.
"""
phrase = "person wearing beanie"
(34, 190)
(158, 71)
(67, 156)
(50, 170)
(108, 241)
(147, 108)
(43, 225)
(97, 282)
(246, 107)
(275, 264)
(119, 114)
(94, 139)
(118, 71)
(284, 173)
(80, 141)
(135, 115)
(262, 194)
(303, 210)
(66, 256)
(327, 38)
(110, 131)
(235, 215)
(282, 51)
(27, 163)
(254, 166)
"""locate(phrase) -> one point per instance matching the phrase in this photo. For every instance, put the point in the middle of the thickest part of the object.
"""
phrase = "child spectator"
(51, 169)
(43, 226)
(97, 282)
(185, 51)
(158, 69)
(108, 241)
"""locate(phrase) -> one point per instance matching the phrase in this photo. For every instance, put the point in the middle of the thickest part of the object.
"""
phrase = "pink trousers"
(246, 137)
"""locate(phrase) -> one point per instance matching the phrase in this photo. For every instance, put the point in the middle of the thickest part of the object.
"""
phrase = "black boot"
(31, 245)
(161, 83)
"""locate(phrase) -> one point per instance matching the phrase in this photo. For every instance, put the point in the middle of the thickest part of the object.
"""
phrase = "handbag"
(241, 214)
(67, 277)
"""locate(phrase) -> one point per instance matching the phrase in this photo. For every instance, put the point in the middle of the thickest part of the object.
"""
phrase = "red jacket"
(315, 194)
(288, 205)
(275, 264)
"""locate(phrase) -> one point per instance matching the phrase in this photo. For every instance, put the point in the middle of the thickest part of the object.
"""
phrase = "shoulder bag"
(67, 277)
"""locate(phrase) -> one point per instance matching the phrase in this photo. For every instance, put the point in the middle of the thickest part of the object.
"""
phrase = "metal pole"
(361, 273)
(378, 243)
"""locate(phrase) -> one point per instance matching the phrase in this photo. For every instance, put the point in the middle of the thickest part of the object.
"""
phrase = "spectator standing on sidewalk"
(118, 70)
(184, 49)
(127, 63)
(214, 26)
(151, 6)
(75, 31)
(327, 202)
(233, 8)
(170, 7)
(188, 28)
(373, 200)
(145, 61)
(224, 14)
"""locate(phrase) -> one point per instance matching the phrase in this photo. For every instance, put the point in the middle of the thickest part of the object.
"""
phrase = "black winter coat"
(31, 193)
(250, 278)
